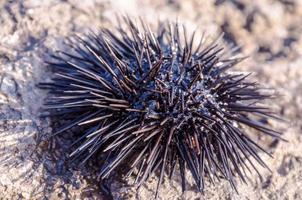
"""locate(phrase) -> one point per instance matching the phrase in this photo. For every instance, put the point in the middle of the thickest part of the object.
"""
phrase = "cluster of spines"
(155, 102)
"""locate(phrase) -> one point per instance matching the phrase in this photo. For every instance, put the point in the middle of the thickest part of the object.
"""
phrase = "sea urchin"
(157, 102)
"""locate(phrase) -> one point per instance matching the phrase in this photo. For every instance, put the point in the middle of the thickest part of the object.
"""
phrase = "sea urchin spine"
(157, 102)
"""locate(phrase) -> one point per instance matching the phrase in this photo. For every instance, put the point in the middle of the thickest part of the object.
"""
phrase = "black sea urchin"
(155, 102)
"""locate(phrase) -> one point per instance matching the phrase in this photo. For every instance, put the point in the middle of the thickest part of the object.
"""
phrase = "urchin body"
(157, 102)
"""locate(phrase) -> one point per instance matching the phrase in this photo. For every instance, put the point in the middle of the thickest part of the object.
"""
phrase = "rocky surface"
(32, 167)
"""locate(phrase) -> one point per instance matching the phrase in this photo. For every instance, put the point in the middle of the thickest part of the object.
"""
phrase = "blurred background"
(268, 31)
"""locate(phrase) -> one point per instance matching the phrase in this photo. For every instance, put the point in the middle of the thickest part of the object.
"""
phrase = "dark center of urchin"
(149, 102)
(176, 86)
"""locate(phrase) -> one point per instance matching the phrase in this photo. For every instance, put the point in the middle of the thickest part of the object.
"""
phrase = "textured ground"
(32, 168)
